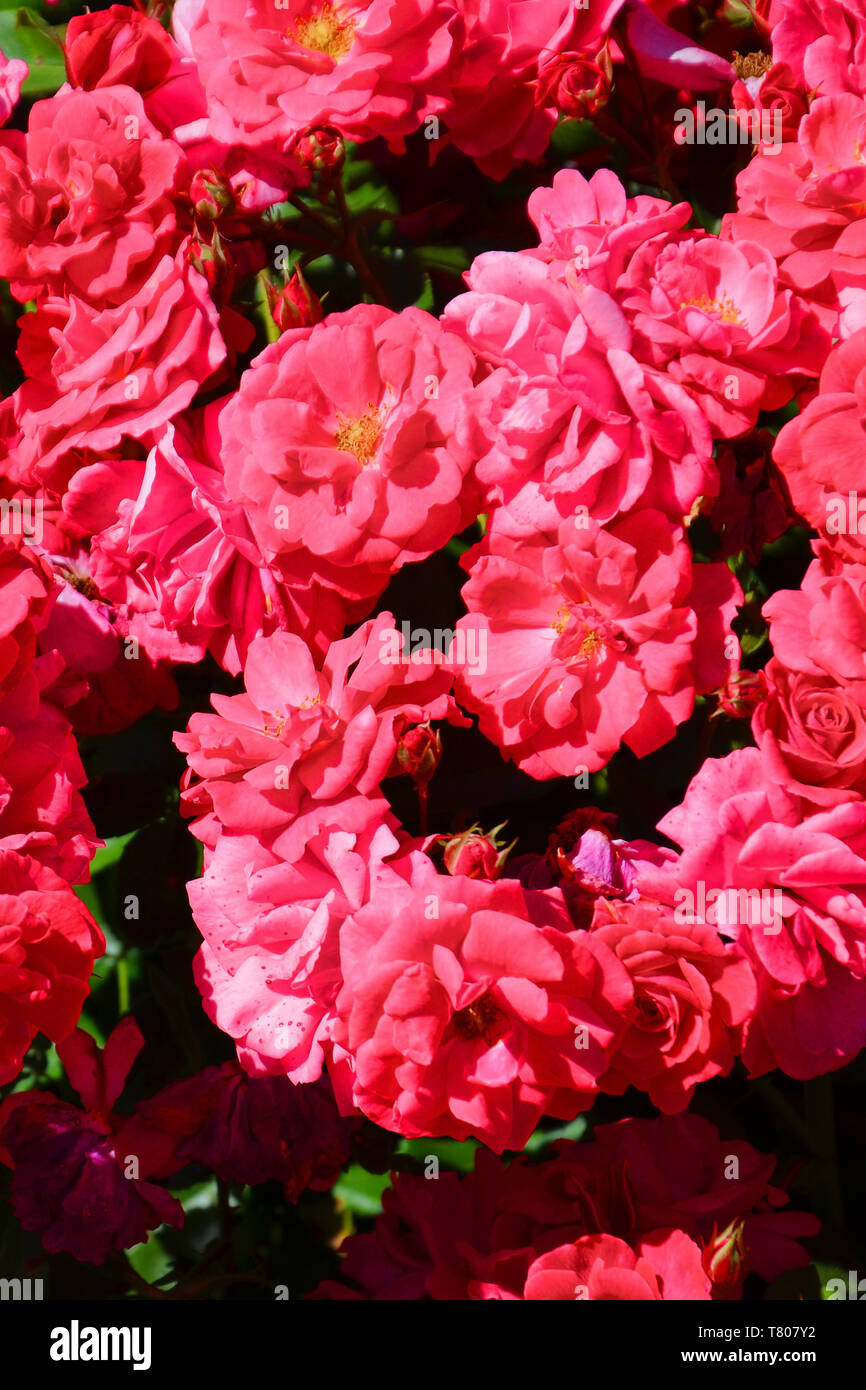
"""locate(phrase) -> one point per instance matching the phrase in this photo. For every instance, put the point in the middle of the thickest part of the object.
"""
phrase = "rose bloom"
(773, 95)
(71, 1181)
(177, 536)
(497, 111)
(471, 1009)
(346, 439)
(811, 731)
(97, 376)
(711, 314)
(298, 731)
(245, 1129)
(284, 782)
(100, 688)
(269, 968)
(592, 220)
(475, 1235)
(48, 944)
(805, 936)
(803, 203)
(86, 198)
(665, 1265)
(673, 1170)
(820, 628)
(41, 811)
(820, 451)
(117, 46)
(824, 41)
(26, 593)
(693, 994)
(593, 639)
(571, 418)
(368, 67)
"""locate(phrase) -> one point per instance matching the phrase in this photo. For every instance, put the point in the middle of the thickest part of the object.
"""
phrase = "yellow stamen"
(724, 307)
(360, 436)
(326, 31)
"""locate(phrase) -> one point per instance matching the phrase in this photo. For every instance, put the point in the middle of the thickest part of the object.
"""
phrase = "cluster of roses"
(588, 398)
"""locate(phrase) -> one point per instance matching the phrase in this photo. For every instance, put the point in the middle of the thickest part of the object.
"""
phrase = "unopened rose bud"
(741, 693)
(724, 1257)
(210, 194)
(295, 305)
(419, 752)
(475, 854)
(320, 149)
(578, 84)
(208, 256)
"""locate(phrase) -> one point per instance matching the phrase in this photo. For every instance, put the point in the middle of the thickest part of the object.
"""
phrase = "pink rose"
(97, 376)
(820, 628)
(665, 1265)
(588, 640)
(692, 996)
(346, 440)
(803, 202)
(369, 68)
(117, 46)
(811, 731)
(791, 893)
(48, 944)
(711, 314)
(824, 41)
(86, 200)
(820, 451)
(475, 1019)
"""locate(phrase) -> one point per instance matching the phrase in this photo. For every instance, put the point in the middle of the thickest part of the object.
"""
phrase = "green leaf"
(25, 34)
(371, 195)
(542, 1138)
(451, 1153)
(452, 259)
(571, 138)
(361, 1192)
(110, 852)
(152, 1261)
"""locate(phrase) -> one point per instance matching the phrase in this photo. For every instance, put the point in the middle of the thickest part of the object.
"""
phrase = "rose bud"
(210, 194)
(740, 695)
(210, 259)
(117, 46)
(578, 84)
(474, 854)
(724, 1259)
(320, 149)
(419, 753)
(295, 305)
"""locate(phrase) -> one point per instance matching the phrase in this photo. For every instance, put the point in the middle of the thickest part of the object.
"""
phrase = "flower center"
(651, 1015)
(326, 31)
(750, 64)
(360, 436)
(583, 635)
(78, 580)
(724, 307)
(481, 1019)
